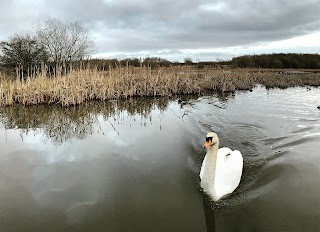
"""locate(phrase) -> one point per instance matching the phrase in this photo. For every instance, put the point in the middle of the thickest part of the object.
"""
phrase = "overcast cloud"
(203, 30)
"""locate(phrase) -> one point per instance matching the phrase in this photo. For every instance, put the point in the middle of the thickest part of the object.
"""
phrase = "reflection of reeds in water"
(59, 124)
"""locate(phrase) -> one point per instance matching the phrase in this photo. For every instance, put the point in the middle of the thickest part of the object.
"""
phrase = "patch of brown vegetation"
(127, 82)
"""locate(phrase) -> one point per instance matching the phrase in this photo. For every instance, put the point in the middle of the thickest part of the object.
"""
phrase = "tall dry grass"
(127, 82)
(222, 80)
(283, 80)
(120, 83)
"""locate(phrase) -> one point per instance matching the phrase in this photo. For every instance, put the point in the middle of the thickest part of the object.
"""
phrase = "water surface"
(133, 165)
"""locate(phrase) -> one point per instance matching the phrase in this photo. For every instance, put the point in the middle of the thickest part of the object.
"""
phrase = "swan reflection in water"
(209, 213)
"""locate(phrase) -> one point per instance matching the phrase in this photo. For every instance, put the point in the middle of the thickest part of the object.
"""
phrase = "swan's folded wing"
(228, 171)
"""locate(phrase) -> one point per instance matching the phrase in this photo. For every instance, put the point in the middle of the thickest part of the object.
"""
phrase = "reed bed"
(128, 82)
(221, 80)
(283, 81)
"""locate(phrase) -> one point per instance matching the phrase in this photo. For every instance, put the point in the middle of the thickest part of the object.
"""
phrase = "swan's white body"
(221, 170)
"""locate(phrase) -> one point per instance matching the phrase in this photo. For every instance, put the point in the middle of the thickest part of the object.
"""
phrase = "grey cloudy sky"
(175, 29)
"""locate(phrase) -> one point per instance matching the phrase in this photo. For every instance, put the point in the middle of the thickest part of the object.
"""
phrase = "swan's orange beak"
(206, 144)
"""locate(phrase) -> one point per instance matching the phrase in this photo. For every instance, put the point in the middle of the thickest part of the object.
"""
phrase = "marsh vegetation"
(82, 85)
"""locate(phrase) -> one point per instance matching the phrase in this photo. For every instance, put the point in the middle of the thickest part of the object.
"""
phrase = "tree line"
(281, 60)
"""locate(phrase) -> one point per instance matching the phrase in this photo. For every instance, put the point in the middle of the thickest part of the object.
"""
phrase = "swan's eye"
(208, 139)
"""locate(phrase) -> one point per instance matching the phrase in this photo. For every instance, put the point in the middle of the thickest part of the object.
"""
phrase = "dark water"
(133, 165)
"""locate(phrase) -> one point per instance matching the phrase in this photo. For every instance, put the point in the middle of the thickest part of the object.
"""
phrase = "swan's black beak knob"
(206, 144)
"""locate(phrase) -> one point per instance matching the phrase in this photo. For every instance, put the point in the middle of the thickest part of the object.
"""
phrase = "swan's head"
(211, 139)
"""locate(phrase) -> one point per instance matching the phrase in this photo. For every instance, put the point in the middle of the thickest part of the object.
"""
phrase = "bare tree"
(188, 61)
(64, 42)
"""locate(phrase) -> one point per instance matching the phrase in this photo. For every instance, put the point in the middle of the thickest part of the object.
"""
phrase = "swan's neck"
(209, 174)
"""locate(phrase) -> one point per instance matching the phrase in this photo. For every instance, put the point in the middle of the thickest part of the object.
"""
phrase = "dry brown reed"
(284, 80)
(222, 80)
(127, 82)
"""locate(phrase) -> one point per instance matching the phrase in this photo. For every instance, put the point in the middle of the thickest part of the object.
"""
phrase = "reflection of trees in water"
(61, 124)
(57, 124)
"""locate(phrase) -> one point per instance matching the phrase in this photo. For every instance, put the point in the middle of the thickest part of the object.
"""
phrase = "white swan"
(221, 168)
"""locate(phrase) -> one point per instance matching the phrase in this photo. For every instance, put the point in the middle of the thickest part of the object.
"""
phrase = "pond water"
(133, 165)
